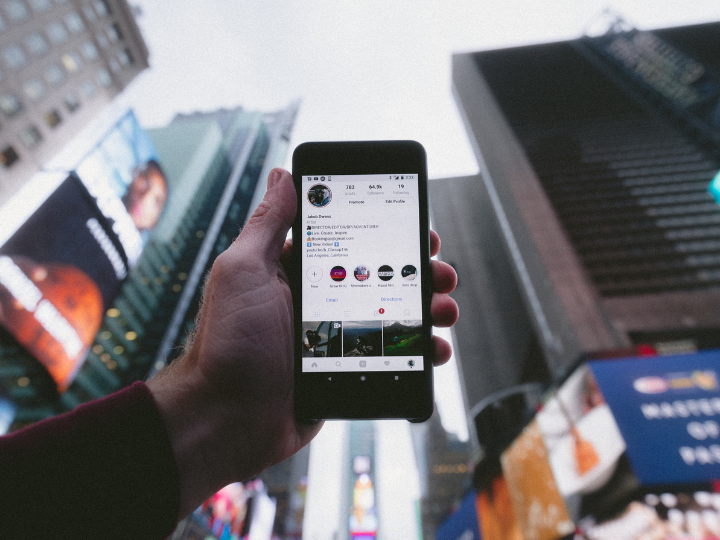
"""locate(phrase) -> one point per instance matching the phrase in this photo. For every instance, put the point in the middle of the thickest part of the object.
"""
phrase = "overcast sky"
(364, 69)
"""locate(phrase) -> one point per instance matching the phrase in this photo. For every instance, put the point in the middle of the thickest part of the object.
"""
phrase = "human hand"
(227, 403)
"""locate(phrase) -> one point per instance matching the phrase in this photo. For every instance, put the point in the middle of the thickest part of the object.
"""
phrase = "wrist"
(194, 424)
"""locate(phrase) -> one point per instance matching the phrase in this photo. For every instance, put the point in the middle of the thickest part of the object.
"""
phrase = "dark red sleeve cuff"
(104, 470)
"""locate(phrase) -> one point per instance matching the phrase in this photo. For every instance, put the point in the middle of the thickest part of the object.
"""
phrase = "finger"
(443, 310)
(443, 351)
(434, 243)
(267, 228)
(307, 432)
(444, 277)
(286, 255)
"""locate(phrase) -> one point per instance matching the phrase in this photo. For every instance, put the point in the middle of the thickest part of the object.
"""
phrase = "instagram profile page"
(362, 301)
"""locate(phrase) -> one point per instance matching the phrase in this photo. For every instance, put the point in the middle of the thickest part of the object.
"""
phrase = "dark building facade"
(590, 228)
(443, 467)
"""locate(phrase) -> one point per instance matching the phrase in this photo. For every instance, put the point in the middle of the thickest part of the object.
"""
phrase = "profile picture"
(146, 195)
(319, 195)
(362, 273)
(338, 273)
(385, 272)
(409, 272)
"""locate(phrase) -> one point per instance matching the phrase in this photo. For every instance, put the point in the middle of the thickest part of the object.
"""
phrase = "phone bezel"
(380, 395)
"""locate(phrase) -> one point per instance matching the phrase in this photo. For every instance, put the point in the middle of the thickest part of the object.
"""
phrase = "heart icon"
(387, 362)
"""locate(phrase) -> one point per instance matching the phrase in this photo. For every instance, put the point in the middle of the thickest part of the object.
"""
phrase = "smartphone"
(361, 281)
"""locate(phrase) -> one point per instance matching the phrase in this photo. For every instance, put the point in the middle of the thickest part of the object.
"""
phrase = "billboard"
(63, 266)
(629, 444)
(463, 524)
(124, 176)
(667, 410)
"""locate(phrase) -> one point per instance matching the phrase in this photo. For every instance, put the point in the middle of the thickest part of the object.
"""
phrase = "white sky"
(364, 69)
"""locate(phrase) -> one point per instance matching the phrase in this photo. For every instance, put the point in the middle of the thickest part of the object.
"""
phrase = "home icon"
(314, 364)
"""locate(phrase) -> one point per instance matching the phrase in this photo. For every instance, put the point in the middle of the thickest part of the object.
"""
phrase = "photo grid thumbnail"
(361, 338)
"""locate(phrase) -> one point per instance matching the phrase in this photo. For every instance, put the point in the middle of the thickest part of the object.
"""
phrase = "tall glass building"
(216, 165)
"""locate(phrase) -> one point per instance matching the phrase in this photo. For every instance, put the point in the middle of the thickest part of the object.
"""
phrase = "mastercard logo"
(651, 385)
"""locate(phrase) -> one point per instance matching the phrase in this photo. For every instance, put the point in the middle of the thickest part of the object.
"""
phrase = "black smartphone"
(362, 282)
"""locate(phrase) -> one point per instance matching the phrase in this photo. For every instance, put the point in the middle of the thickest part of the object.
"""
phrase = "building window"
(125, 58)
(103, 78)
(54, 75)
(8, 156)
(71, 61)
(72, 102)
(31, 137)
(33, 89)
(114, 33)
(40, 6)
(102, 8)
(89, 89)
(36, 44)
(102, 40)
(89, 13)
(56, 32)
(74, 22)
(10, 105)
(89, 51)
(14, 56)
(16, 10)
(53, 118)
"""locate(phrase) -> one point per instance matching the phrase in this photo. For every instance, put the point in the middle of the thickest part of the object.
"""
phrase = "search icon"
(337, 364)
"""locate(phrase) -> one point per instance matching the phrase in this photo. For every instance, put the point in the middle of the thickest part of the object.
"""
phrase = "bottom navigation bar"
(359, 363)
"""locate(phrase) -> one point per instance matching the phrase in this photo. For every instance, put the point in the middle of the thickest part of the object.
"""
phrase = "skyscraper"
(61, 62)
(216, 165)
(591, 219)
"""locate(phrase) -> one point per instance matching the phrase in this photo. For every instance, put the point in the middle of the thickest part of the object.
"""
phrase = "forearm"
(106, 468)
(194, 425)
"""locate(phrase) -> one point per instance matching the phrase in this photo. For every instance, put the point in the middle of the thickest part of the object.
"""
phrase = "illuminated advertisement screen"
(715, 188)
(62, 268)
(124, 176)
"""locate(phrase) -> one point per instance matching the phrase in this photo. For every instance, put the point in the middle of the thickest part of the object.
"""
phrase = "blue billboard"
(668, 411)
(463, 524)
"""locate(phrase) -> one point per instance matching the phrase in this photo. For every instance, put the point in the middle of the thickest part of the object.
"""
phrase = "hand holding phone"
(362, 282)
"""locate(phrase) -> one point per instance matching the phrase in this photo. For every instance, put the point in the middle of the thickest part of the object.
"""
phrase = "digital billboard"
(63, 266)
(627, 445)
(124, 176)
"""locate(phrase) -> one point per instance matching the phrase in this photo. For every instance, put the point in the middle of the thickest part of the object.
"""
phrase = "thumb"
(267, 228)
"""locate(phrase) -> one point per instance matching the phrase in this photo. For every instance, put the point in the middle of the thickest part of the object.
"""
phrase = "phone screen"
(361, 261)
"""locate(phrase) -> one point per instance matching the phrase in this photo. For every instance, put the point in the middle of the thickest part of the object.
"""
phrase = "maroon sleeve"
(104, 470)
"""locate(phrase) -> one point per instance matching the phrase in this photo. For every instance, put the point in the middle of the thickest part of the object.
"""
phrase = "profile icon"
(338, 273)
(362, 273)
(385, 272)
(319, 195)
(409, 272)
